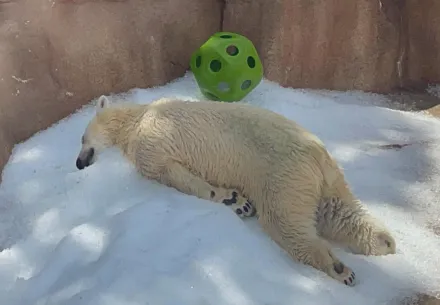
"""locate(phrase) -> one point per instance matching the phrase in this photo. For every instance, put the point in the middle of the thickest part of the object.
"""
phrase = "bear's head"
(96, 137)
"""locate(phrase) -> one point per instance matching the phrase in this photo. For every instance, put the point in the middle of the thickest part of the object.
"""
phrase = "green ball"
(226, 67)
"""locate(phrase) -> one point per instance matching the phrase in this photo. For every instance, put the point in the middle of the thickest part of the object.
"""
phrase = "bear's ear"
(102, 103)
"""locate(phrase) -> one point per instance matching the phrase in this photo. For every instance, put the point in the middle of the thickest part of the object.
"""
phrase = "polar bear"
(213, 149)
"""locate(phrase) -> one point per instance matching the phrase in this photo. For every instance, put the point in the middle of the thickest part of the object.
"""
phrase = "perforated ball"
(226, 67)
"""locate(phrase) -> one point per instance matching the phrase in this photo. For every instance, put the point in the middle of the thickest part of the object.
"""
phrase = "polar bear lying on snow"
(225, 152)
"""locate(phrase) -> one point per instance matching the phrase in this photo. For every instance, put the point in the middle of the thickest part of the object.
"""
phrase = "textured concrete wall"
(320, 44)
(423, 19)
(360, 44)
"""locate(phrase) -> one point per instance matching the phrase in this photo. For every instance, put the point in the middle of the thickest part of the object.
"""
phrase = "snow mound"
(105, 235)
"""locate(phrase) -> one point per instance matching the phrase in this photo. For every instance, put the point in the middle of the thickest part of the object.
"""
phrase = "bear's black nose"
(79, 164)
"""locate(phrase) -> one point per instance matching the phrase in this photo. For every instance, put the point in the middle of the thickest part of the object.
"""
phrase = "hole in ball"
(251, 62)
(198, 61)
(225, 36)
(246, 84)
(223, 86)
(215, 65)
(232, 50)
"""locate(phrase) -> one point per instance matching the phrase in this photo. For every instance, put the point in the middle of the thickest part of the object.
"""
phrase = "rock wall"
(377, 46)
(320, 44)
(423, 19)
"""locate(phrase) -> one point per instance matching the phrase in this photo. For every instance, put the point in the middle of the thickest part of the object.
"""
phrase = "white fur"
(297, 188)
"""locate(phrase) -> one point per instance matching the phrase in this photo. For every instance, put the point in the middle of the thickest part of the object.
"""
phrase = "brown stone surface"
(322, 44)
(413, 101)
(434, 111)
(424, 40)
(56, 55)
(422, 299)
(376, 46)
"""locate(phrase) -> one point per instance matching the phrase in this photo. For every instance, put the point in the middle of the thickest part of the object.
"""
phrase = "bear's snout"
(85, 159)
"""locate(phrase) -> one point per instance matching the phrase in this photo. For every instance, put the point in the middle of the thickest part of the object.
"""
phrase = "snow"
(105, 235)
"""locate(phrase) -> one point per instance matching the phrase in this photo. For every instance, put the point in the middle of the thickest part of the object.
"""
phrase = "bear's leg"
(186, 182)
(346, 222)
(295, 232)
(342, 218)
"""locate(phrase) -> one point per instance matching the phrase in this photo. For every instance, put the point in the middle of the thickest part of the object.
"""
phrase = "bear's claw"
(350, 280)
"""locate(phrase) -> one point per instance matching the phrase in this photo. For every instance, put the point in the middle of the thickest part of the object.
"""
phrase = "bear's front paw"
(244, 208)
(240, 205)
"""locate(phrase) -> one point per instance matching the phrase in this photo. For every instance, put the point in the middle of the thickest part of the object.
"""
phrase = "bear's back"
(232, 136)
(250, 124)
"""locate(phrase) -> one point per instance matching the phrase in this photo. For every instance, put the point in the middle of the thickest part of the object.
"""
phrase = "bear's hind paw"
(343, 274)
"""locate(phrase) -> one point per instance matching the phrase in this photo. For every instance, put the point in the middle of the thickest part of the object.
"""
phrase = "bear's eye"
(82, 140)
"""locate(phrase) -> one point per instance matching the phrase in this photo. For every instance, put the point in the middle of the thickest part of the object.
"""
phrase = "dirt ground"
(415, 101)
(423, 299)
